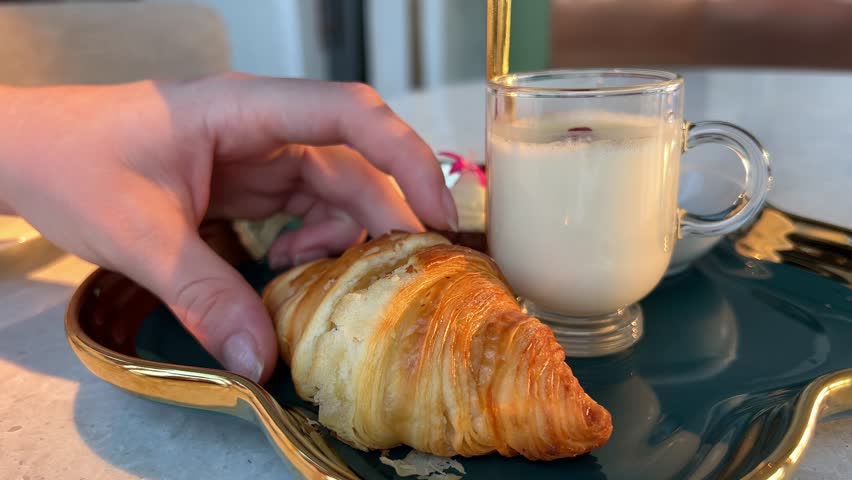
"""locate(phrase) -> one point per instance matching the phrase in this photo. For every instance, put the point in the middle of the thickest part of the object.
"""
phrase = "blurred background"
(403, 45)
(395, 45)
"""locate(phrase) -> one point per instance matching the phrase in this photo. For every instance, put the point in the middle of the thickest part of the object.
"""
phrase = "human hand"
(123, 175)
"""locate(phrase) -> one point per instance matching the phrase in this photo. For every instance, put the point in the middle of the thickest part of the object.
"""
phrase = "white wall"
(283, 38)
(272, 37)
(452, 40)
(387, 28)
(451, 43)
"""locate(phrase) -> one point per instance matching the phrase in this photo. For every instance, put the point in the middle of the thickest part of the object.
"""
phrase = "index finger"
(247, 114)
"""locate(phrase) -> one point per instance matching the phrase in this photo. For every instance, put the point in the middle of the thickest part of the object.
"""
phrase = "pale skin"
(123, 175)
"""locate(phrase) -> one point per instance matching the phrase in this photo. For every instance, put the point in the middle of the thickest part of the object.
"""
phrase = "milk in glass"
(586, 217)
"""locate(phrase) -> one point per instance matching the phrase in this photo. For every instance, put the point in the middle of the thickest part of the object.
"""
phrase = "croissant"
(408, 339)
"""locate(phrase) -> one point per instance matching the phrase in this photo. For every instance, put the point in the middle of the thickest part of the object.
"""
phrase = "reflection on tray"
(709, 392)
(737, 362)
(781, 237)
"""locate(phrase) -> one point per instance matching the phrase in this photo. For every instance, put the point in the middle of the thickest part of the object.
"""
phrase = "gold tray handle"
(828, 395)
(290, 429)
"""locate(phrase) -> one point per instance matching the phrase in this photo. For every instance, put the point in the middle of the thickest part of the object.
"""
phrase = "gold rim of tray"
(771, 237)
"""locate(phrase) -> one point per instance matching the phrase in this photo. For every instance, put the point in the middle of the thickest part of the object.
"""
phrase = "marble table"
(57, 421)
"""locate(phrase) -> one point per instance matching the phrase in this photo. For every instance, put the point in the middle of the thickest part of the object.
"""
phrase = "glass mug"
(582, 214)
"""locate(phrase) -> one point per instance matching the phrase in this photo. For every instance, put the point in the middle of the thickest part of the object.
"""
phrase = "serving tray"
(743, 353)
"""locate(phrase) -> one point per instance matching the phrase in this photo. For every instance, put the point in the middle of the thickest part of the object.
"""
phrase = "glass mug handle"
(758, 178)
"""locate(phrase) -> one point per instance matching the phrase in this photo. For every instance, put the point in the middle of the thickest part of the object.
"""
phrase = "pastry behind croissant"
(409, 340)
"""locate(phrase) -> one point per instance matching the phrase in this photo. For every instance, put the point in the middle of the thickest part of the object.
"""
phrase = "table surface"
(58, 421)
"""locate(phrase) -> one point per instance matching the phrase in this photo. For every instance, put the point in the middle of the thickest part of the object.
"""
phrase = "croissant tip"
(598, 418)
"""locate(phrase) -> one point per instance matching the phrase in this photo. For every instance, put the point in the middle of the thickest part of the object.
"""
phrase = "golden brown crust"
(433, 351)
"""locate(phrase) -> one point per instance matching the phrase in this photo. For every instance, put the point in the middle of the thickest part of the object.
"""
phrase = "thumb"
(215, 303)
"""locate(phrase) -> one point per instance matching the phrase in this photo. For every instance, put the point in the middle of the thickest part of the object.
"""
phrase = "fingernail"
(241, 356)
(308, 255)
(449, 204)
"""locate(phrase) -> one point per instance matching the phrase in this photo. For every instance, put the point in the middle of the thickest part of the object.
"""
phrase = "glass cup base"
(592, 336)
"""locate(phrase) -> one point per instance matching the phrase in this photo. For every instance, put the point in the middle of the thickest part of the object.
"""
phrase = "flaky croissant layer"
(410, 340)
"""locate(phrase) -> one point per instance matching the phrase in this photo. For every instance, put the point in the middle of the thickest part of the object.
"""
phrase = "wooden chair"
(109, 42)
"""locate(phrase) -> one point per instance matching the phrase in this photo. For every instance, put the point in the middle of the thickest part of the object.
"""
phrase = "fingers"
(248, 115)
(222, 311)
(343, 178)
(326, 232)
(336, 175)
(246, 205)
(209, 297)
